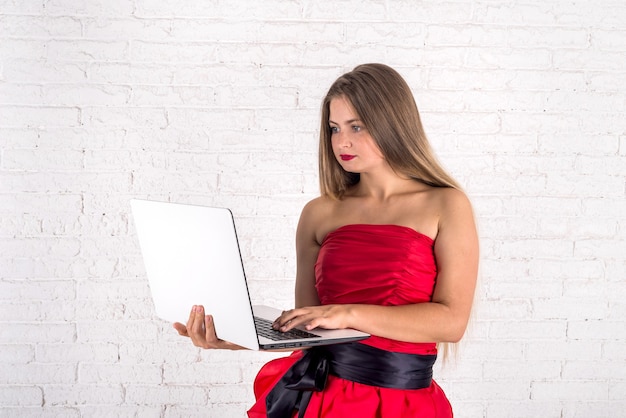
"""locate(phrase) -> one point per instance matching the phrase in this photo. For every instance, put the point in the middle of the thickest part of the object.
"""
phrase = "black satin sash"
(351, 361)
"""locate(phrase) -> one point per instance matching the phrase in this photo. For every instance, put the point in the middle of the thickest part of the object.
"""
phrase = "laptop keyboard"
(264, 328)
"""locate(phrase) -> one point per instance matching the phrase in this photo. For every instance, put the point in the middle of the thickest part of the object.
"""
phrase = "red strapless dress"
(370, 264)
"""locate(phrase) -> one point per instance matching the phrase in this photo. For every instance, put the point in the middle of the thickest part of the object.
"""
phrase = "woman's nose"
(342, 139)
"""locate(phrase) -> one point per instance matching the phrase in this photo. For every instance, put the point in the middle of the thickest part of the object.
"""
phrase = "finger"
(197, 326)
(294, 322)
(192, 317)
(280, 321)
(288, 316)
(210, 334)
(181, 329)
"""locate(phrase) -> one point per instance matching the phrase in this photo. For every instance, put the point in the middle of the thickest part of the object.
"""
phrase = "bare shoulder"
(314, 218)
(451, 199)
(317, 209)
(456, 215)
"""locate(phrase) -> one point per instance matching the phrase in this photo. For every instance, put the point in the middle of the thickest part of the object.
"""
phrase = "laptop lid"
(191, 256)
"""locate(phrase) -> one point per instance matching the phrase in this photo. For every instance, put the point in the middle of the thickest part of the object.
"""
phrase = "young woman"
(389, 248)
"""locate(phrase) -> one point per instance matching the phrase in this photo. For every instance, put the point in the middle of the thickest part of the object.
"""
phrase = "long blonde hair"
(384, 103)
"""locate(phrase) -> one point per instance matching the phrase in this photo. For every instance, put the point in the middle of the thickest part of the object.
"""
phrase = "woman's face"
(352, 144)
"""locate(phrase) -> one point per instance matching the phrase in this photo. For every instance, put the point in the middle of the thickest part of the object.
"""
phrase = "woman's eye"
(356, 128)
(334, 129)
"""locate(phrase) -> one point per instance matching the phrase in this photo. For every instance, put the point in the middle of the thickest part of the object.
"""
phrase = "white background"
(217, 102)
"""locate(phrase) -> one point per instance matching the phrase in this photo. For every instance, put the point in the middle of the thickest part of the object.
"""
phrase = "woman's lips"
(346, 157)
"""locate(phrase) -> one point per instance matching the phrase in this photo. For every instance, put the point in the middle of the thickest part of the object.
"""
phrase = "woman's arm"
(307, 249)
(442, 320)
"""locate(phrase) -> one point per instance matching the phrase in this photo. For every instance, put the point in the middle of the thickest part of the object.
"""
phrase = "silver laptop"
(192, 257)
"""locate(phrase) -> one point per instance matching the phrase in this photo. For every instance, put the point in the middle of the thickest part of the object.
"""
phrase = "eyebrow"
(347, 122)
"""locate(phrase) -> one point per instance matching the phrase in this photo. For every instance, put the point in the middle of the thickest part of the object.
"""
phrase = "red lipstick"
(346, 157)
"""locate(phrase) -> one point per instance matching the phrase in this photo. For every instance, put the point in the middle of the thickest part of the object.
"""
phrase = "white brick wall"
(218, 103)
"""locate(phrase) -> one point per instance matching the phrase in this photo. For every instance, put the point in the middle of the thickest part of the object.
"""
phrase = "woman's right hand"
(201, 330)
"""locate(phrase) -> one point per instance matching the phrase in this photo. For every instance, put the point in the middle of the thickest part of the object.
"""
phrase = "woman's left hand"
(309, 317)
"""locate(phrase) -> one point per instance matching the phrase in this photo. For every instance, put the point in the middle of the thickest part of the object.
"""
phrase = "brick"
(103, 373)
(106, 310)
(564, 350)
(606, 408)
(38, 412)
(570, 308)
(90, 95)
(590, 60)
(154, 52)
(87, 50)
(556, 269)
(584, 369)
(23, 49)
(97, 8)
(30, 160)
(42, 247)
(148, 352)
(468, 409)
(200, 373)
(166, 395)
(38, 333)
(17, 352)
(121, 411)
(473, 348)
(613, 249)
(527, 409)
(14, 116)
(536, 13)
(37, 290)
(124, 72)
(508, 58)
(31, 203)
(611, 350)
(229, 394)
(449, 370)
(548, 37)
(216, 411)
(20, 396)
(502, 389)
(69, 353)
(125, 27)
(569, 390)
(81, 394)
(105, 116)
(525, 289)
(123, 331)
(390, 33)
(596, 330)
(19, 7)
(39, 70)
(576, 185)
(32, 373)
(532, 370)
(537, 330)
(152, 8)
(20, 94)
(512, 309)
(446, 12)
(455, 35)
(578, 228)
(257, 31)
(603, 81)
(530, 248)
(249, 96)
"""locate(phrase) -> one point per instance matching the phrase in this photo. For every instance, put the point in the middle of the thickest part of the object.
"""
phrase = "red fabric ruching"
(370, 264)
